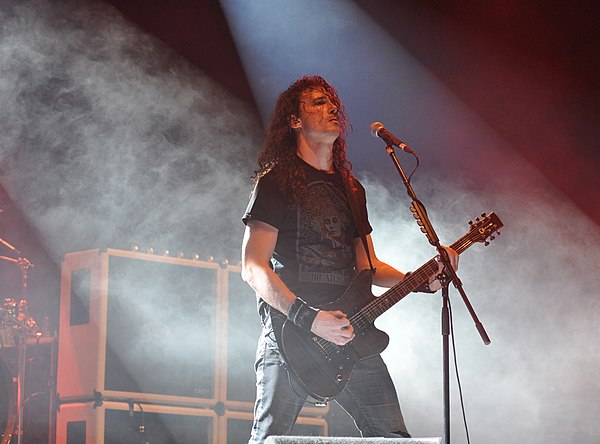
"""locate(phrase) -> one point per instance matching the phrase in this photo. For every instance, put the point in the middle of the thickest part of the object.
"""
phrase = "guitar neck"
(395, 294)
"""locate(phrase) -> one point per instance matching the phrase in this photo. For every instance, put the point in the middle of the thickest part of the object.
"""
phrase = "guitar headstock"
(484, 228)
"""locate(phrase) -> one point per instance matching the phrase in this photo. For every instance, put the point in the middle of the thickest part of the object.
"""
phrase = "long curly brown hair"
(279, 149)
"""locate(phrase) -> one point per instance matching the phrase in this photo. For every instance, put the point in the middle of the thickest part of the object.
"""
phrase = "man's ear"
(295, 122)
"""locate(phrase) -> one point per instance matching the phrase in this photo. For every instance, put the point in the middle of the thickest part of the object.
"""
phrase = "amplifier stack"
(157, 349)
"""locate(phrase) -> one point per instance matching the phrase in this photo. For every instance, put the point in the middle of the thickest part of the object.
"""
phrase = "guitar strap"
(358, 217)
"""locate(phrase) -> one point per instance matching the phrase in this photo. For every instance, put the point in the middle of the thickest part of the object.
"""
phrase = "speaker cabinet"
(167, 342)
(138, 325)
(120, 423)
(126, 423)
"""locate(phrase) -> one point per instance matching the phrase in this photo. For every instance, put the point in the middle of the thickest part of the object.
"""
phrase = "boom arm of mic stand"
(420, 214)
(458, 284)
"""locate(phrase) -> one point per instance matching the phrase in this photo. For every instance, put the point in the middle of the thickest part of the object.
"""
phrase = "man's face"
(318, 114)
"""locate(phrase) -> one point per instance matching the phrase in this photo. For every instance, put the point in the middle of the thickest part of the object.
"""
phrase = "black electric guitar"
(322, 367)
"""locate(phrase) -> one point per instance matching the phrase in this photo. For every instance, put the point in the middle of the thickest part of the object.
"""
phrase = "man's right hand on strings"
(333, 326)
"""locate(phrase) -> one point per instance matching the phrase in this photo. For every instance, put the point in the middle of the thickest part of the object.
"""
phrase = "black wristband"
(301, 314)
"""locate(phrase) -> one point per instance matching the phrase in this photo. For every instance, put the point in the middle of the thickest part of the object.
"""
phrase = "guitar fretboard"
(387, 300)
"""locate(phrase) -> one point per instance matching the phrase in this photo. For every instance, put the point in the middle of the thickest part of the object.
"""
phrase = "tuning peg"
(492, 237)
(483, 214)
(486, 243)
(470, 222)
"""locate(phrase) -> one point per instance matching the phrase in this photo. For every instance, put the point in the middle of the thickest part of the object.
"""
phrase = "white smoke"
(109, 138)
(534, 289)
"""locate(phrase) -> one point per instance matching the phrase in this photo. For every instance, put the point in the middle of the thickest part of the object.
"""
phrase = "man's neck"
(319, 156)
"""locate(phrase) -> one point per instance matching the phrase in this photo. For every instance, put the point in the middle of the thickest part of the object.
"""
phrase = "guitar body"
(323, 368)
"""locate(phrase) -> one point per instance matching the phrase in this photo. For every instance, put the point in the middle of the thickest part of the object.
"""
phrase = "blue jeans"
(370, 397)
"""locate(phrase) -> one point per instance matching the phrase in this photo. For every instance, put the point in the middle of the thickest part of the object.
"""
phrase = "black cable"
(142, 426)
(138, 429)
(415, 168)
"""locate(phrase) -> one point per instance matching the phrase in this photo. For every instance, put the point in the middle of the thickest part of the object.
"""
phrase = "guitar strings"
(372, 310)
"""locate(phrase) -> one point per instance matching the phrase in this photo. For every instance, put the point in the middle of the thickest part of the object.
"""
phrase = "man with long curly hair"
(301, 250)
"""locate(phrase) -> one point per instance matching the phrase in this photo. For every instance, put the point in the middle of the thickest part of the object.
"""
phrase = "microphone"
(378, 130)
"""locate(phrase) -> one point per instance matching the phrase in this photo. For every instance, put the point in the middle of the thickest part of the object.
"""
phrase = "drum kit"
(16, 329)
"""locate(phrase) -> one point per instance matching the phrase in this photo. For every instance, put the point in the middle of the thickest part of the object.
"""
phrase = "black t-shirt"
(314, 254)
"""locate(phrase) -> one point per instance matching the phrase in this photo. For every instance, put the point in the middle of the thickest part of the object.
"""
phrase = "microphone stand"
(448, 274)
